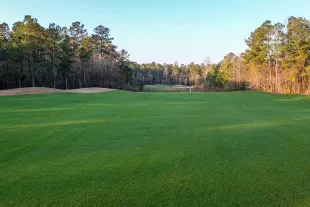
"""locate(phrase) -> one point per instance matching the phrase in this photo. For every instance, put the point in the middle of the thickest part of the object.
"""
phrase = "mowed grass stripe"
(155, 149)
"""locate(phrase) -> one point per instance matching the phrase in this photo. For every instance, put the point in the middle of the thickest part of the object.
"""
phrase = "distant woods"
(277, 60)
(60, 57)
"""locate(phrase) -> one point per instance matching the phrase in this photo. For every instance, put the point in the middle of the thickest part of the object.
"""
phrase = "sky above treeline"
(164, 31)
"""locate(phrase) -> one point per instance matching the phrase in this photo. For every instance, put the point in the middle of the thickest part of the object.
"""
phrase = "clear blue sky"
(164, 30)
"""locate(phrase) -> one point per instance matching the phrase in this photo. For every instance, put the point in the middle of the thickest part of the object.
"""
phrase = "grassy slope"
(162, 149)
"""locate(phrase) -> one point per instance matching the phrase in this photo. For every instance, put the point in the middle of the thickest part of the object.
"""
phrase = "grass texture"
(155, 149)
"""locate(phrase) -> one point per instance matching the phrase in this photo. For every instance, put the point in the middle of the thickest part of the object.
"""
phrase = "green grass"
(159, 87)
(155, 149)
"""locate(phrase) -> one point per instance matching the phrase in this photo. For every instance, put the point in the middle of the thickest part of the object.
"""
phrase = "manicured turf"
(158, 88)
(155, 149)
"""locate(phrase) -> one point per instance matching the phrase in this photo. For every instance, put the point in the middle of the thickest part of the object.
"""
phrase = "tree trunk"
(257, 81)
(54, 71)
(31, 70)
(20, 72)
(277, 84)
(66, 81)
(7, 82)
(238, 76)
(158, 77)
(270, 81)
(19, 82)
(80, 82)
(308, 90)
(84, 76)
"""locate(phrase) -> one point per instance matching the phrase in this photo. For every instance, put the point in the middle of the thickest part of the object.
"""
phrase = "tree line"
(277, 60)
(278, 57)
(60, 57)
(227, 74)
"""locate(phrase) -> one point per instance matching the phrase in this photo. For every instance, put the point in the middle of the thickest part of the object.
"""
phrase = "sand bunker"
(41, 90)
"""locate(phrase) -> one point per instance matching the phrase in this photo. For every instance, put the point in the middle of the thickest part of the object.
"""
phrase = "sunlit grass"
(155, 149)
(295, 98)
(60, 123)
(34, 110)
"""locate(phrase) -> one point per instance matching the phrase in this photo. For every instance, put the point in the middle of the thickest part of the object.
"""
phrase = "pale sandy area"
(41, 90)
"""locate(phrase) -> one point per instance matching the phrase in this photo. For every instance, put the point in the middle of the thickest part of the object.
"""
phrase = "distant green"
(157, 88)
(155, 149)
